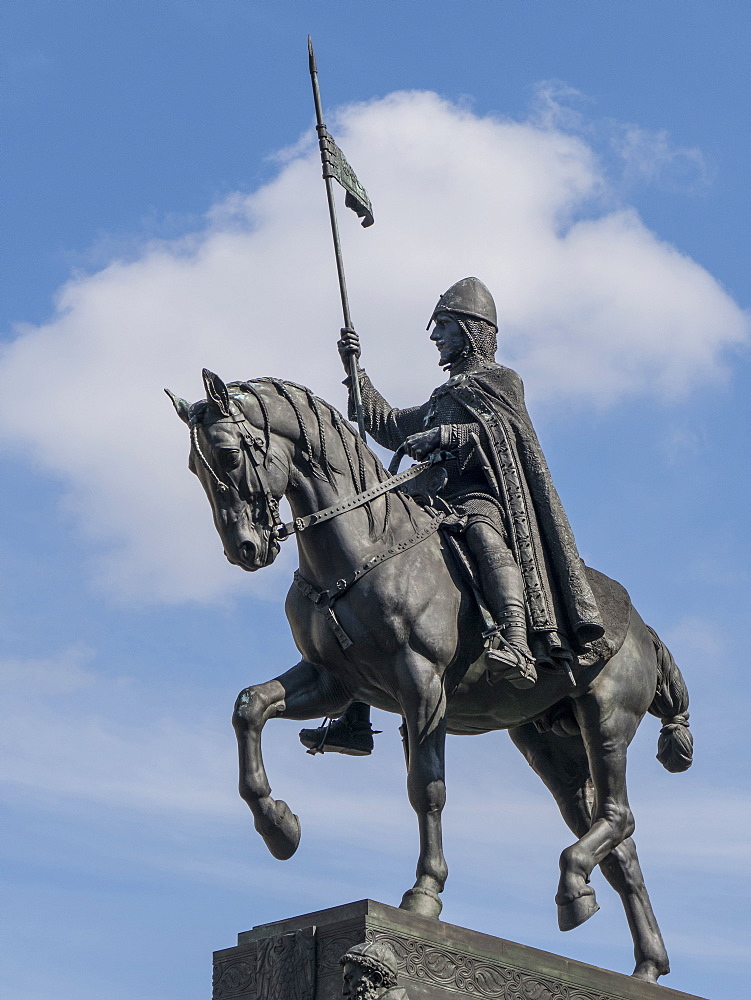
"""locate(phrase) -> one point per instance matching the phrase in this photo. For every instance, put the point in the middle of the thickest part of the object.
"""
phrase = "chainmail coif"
(482, 337)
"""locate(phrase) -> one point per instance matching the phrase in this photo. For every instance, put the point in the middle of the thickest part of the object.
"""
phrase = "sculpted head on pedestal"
(369, 972)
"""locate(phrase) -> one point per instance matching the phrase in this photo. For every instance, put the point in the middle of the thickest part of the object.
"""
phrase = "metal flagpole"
(328, 154)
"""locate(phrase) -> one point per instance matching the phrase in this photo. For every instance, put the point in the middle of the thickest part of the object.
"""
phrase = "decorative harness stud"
(250, 445)
(323, 600)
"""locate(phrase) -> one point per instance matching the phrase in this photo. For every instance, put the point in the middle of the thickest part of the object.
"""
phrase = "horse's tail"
(675, 746)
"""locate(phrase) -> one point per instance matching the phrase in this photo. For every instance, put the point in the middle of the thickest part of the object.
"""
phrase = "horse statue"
(383, 614)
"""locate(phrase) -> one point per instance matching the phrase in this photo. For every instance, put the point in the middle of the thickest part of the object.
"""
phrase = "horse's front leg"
(304, 692)
(422, 703)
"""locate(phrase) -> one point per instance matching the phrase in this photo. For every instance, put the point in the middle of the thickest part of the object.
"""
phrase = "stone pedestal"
(298, 959)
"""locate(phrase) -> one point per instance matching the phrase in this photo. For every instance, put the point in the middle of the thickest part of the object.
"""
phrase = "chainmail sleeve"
(456, 436)
(388, 425)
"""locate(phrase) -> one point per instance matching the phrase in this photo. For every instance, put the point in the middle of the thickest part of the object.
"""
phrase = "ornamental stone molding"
(299, 959)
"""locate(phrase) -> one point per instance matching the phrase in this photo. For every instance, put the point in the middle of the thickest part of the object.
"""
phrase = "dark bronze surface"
(384, 616)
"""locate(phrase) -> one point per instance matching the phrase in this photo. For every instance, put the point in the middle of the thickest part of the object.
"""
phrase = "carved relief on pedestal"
(476, 977)
(273, 969)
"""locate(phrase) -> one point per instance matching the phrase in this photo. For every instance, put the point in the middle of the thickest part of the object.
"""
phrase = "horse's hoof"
(280, 830)
(650, 971)
(422, 901)
(576, 911)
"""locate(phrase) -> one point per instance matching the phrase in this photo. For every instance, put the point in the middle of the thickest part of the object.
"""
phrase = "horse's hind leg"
(622, 869)
(304, 692)
(562, 764)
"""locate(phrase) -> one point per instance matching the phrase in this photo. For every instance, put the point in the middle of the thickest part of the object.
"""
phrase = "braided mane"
(314, 447)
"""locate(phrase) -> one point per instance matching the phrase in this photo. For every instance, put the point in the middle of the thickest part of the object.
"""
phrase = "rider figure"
(516, 529)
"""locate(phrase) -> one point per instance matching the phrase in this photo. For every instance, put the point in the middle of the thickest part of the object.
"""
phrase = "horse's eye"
(230, 458)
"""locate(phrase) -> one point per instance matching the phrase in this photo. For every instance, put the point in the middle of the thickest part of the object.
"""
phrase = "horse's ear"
(216, 392)
(182, 406)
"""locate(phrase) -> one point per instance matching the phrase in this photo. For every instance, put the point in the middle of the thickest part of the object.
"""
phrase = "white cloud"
(67, 732)
(592, 306)
(694, 844)
(54, 676)
(642, 155)
(649, 155)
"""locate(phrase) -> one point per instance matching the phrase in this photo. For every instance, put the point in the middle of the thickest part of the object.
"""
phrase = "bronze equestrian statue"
(409, 602)
(516, 529)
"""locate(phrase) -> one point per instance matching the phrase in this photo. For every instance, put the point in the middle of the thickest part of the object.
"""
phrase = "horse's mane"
(314, 447)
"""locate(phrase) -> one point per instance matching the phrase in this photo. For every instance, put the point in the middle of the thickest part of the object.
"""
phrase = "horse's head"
(243, 480)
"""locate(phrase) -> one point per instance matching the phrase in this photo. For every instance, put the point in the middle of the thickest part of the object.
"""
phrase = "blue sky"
(588, 160)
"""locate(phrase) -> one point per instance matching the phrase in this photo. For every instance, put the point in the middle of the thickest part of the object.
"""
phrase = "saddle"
(612, 598)
(424, 487)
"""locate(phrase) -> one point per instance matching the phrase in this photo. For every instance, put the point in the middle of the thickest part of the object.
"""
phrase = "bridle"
(258, 452)
(258, 455)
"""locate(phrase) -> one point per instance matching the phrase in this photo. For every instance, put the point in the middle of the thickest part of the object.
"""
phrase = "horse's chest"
(312, 629)
(356, 637)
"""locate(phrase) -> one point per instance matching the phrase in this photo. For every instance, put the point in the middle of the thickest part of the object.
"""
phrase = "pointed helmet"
(469, 297)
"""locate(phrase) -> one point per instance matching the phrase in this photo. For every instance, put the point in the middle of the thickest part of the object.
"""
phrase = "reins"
(258, 451)
(302, 523)
(283, 530)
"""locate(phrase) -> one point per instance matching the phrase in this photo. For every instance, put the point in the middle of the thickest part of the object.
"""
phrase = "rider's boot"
(507, 655)
(351, 734)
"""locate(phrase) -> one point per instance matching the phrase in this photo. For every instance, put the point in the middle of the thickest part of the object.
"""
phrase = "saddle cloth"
(612, 599)
(615, 607)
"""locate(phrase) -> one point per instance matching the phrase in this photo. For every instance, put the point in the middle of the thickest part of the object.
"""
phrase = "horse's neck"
(332, 549)
(326, 464)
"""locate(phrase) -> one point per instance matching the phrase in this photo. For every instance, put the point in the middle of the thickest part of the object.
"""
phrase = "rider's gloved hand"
(348, 344)
(419, 446)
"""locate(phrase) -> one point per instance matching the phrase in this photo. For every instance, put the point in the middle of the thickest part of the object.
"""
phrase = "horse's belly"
(485, 707)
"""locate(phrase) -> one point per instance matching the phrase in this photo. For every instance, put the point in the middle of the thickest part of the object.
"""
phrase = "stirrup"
(507, 662)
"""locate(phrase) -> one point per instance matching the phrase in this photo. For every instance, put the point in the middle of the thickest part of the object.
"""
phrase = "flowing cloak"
(558, 596)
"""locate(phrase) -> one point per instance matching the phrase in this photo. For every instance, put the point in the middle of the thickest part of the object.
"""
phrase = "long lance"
(335, 167)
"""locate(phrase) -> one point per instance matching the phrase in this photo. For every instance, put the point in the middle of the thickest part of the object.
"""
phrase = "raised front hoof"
(422, 901)
(650, 971)
(280, 829)
(576, 911)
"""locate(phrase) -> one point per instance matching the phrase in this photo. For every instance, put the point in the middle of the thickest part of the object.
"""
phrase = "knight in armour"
(516, 530)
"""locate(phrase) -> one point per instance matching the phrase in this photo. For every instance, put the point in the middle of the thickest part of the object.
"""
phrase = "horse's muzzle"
(257, 555)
